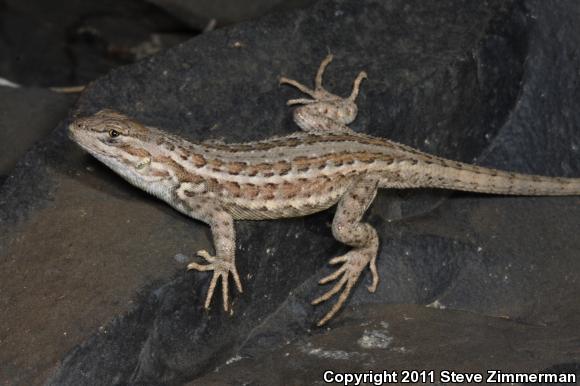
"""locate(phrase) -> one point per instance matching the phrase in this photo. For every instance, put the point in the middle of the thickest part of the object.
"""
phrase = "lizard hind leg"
(348, 228)
(325, 112)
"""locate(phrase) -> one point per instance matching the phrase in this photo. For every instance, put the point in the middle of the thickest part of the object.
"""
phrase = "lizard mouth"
(71, 131)
(85, 141)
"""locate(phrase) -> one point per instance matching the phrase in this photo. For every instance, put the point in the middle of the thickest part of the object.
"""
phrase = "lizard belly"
(278, 208)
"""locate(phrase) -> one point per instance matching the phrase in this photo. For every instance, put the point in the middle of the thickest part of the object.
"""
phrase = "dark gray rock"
(395, 338)
(86, 38)
(467, 80)
(197, 14)
(26, 116)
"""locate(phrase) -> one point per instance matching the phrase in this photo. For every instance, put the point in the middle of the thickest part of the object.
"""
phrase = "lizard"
(325, 164)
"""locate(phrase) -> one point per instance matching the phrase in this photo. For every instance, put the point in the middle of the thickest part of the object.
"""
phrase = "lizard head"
(118, 141)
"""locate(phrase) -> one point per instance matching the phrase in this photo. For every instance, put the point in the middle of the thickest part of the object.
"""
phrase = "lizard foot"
(353, 263)
(221, 270)
(319, 93)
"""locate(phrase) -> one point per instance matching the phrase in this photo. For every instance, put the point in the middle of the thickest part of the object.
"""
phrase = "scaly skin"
(295, 175)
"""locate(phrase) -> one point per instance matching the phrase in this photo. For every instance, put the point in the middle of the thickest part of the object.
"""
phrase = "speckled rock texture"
(26, 116)
(93, 280)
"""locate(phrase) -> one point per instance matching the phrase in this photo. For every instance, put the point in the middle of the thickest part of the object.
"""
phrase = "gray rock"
(86, 38)
(26, 116)
(87, 265)
(197, 14)
(399, 338)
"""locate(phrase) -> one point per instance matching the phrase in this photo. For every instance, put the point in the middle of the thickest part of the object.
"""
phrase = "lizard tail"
(445, 174)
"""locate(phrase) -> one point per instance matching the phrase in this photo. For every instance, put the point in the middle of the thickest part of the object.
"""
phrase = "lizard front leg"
(223, 264)
(348, 229)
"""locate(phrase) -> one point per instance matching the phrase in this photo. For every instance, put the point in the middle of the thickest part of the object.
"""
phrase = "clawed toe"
(375, 275)
(333, 275)
(328, 294)
(300, 101)
(305, 89)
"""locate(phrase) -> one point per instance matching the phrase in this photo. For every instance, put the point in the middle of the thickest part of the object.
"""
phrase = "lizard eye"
(113, 133)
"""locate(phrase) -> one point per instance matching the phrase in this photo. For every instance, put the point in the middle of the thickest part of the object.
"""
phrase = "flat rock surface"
(92, 270)
(198, 14)
(396, 338)
(71, 42)
(26, 116)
